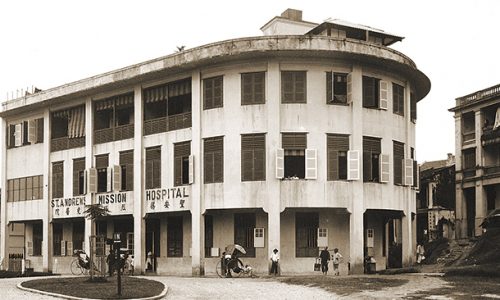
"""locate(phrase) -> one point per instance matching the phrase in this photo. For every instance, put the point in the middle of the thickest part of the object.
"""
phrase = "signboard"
(121, 203)
(68, 207)
(166, 200)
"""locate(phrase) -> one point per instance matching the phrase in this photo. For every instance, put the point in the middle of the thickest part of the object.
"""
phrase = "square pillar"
(139, 223)
(89, 162)
(481, 208)
(46, 219)
(4, 252)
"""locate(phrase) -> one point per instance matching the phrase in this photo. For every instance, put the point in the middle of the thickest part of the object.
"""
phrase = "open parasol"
(232, 247)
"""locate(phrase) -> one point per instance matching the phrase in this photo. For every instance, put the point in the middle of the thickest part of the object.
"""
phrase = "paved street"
(247, 288)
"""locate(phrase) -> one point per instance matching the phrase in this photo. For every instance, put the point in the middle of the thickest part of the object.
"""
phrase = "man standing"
(325, 257)
(275, 257)
(337, 257)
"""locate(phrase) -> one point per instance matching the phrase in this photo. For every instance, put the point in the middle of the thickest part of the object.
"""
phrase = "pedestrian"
(325, 257)
(336, 258)
(420, 253)
(275, 258)
(149, 261)
(110, 259)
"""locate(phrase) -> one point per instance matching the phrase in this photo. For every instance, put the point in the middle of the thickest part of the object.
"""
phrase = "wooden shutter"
(117, 178)
(127, 160)
(63, 248)
(39, 129)
(181, 150)
(101, 161)
(218, 92)
(191, 169)
(29, 245)
(58, 180)
(252, 88)
(69, 248)
(408, 165)
(280, 163)
(413, 107)
(293, 87)
(78, 166)
(417, 181)
(333, 164)
(32, 132)
(349, 88)
(329, 87)
(92, 180)
(294, 141)
(18, 134)
(353, 165)
(253, 157)
(383, 94)
(384, 168)
(311, 164)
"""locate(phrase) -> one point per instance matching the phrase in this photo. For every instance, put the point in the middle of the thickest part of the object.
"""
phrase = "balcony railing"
(169, 123)
(468, 138)
(492, 170)
(468, 173)
(114, 134)
(490, 136)
(65, 143)
(479, 95)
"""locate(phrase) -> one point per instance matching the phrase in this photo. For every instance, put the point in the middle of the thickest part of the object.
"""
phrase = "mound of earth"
(485, 251)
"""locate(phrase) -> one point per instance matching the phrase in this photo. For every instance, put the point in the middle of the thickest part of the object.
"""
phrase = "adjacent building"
(477, 144)
(298, 139)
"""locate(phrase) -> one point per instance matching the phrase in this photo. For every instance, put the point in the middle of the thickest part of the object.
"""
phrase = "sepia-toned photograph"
(250, 150)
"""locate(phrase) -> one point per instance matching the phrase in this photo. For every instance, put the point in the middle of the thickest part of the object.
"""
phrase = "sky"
(49, 43)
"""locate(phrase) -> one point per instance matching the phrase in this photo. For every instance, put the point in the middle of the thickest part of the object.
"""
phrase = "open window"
(371, 156)
(336, 88)
(375, 93)
(294, 159)
(114, 118)
(182, 152)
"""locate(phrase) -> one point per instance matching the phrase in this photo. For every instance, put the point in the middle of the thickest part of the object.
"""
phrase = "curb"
(19, 286)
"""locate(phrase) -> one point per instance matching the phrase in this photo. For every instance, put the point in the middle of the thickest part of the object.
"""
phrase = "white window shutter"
(85, 181)
(384, 168)
(408, 171)
(370, 236)
(92, 180)
(18, 134)
(258, 237)
(117, 178)
(30, 248)
(280, 163)
(32, 131)
(63, 248)
(383, 96)
(191, 169)
(322, 237)
(69, 248)
(349, 88)
(109, 179)
(353, 165)
(417, 186)
(311, 164)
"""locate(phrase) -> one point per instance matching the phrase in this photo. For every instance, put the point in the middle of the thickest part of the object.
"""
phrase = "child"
(336, 258)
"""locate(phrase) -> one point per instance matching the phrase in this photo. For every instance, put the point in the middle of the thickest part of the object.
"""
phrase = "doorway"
(152, 244)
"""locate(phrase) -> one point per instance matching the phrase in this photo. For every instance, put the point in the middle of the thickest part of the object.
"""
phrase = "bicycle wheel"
(218, 269)
(236, 266)
(76, 269)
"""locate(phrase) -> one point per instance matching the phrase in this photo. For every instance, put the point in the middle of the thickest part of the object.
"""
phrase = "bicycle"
(80, 265)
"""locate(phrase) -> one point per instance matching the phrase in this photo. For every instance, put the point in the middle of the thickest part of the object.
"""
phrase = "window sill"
(337, 103)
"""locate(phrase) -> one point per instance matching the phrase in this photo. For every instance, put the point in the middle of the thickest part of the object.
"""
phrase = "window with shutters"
(293, 87)
(294, 146)
(57, 234)
(337, 148)
(415, 168)
(25, 133)
(306, 236)
(58, 179)
(153, 168)
(101, 164)
(213, 160)
(78, 176)
(182, 151)
(469, 158)
(253, 88)
(127, 166)
(37, 238)
(413, 107)
(212, 92)
(398, 155)
(398, 99)
(26, 188)
(244, 223)
(371, 92)
(253, 157)
(174, 236)
(78, 234)
(114, 118)
(371, 159)
(336, 88)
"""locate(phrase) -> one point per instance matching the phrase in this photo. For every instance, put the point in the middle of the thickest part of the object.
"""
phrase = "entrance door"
(470, 200)
(152, 244)
(395, 259)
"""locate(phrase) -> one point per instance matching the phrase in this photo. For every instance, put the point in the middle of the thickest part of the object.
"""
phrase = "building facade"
(296, 140)
(477, 144)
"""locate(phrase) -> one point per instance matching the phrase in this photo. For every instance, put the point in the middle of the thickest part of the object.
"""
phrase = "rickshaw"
(230, 265)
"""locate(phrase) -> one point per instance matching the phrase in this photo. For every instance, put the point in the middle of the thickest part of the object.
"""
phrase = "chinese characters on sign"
(117, 203)
(162, 200)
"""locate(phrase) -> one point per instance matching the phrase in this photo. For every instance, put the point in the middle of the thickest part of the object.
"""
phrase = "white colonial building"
(295, 140)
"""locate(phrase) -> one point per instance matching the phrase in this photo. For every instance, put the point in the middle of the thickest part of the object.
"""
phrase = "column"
(4, 255)
(139, 223)
(356, 230)
(481, 208)
(273, 205)
(197, 219)
(46, 219)
(460, 201)
(89, 162)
